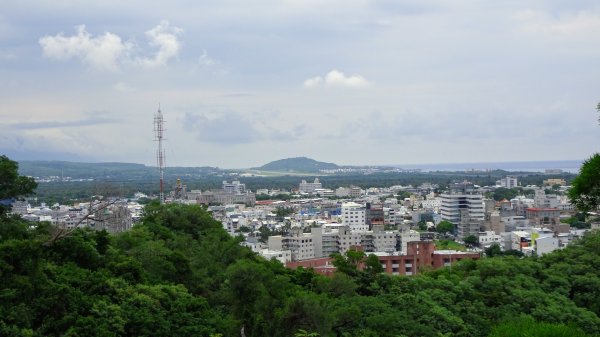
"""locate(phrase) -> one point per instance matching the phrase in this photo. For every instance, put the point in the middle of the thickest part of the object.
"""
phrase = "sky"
(242, 83)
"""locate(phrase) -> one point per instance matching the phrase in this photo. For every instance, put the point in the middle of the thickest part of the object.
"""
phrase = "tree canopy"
(12, 185)
(444, 227)
(179, 273)
(585, 188)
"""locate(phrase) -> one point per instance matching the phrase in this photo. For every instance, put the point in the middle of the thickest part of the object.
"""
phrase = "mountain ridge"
(297, 164)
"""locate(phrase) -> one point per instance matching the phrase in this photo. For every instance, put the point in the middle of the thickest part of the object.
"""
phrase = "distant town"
(409, 228)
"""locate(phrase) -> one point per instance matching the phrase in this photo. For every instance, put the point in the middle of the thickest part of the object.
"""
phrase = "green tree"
(526, 327)
(493, 250)
(444, 227)
(372, 265)
(585, 188)
(304, 333)
(505, 193)
(471, 240)
(12, 185)
(348, 263)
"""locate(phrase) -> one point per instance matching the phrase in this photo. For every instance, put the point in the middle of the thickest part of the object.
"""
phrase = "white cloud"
(165, 38)
(108, 51)
(313, 82)
(104, 51)
(336, 78)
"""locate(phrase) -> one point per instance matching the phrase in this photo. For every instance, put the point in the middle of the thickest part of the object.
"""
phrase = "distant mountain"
(126, 171)
(77, 169)
(298, 164)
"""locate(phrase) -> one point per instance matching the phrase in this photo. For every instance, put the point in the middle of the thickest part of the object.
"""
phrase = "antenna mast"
(160, 153)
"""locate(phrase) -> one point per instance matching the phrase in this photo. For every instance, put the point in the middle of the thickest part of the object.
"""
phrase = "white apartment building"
(507, 182)
(309, 187)
(324, 192)
(300, 245)
(389, 215)
(264, 191)
(336, 238)
(547, 244)
(488, 238)
(353, 216)
(342, 192)
(435, 204)
(348, 240)
(408, 236)
(235, 187)
(282, 256)
(355, 192)
(462, 197)
(385, 241)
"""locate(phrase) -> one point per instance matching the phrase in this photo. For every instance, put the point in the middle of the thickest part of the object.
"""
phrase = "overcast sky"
(242, 83)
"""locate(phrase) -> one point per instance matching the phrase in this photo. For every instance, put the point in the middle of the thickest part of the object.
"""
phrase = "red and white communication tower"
(159, 129)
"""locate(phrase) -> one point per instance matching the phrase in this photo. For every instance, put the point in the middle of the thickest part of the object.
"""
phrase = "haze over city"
(351, 82)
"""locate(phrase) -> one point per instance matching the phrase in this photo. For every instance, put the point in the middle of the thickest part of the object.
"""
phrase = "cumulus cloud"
(103, 51)
(313, 82)
(165, 38)
(336, 78)
(108, 51)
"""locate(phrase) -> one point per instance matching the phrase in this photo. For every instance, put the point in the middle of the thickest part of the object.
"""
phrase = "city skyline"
(354, 83)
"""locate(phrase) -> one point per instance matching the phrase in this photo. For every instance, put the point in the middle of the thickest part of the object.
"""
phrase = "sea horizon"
(570, 166)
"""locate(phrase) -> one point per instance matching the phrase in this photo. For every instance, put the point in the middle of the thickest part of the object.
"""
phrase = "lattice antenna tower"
(159, 129)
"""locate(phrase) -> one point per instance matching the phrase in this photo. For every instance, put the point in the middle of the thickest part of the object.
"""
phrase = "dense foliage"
(178, 273)
(12, 185)
(585, 190)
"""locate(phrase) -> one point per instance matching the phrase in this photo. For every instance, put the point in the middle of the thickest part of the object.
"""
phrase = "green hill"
(298, 164)
(80, 170)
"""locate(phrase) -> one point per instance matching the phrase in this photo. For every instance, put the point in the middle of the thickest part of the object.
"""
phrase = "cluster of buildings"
(318, 222)
(112, 215)
(231, 193)
(375, 221)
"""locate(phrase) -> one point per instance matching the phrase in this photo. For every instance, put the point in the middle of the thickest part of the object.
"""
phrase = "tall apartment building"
(467, 226)
(374, 215)
(299, 244)
(310, 187)
(462, 197)
(354, 216)
(507, 182)
(235, 187)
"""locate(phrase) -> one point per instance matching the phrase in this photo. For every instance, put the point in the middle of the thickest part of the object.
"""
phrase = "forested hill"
(123, 171)
(79, 170)
(178, 273)
(298, 164)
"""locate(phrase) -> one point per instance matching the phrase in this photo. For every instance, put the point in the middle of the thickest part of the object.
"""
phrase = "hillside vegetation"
(298, 164)
(178, 273)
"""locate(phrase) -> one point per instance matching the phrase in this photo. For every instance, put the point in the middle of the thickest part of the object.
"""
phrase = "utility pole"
(160, 153)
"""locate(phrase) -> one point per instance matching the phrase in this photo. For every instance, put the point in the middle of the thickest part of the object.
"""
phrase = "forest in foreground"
(178, 273)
